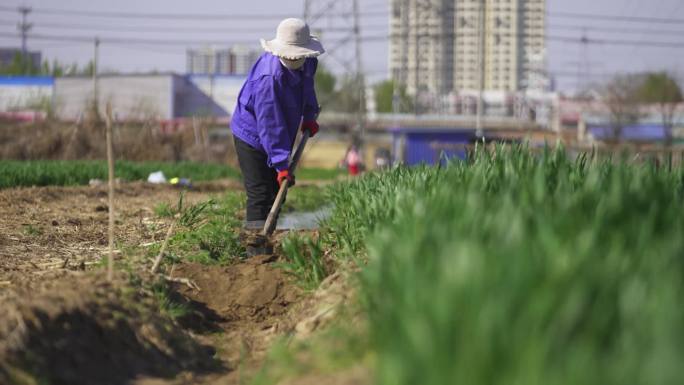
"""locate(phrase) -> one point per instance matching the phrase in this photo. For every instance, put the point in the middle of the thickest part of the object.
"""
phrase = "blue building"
(416, 145)
(648, 129)
(23, 94)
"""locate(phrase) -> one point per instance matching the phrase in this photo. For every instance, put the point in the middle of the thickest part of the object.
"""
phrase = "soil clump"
(83, 330)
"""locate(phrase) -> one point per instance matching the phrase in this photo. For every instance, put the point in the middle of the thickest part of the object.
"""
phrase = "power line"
(635, 19)
(141, 15)
(175, 16)
(324, 29)
(566, 39)
(161, 29)
(659, 32)
(215, 16)
(562, 74)
(229, 30)
(119, 28)
(124, 40)
(86, 39)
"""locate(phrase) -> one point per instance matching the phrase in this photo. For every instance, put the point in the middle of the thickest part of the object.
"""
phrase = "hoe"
(261, 242)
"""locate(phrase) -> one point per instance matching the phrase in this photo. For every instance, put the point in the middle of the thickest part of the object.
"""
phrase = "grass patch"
(207, 232)
(331, 353)
(319, 173)
(164, 210)
(14, 173)
(32, 231)
(305, 198)
(304, 260)
(167, 305)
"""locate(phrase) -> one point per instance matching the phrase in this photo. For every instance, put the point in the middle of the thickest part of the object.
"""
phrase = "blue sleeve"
(271, 123)
(311, 108)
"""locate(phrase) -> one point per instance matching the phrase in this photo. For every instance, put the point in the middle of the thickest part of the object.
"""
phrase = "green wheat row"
(14, 173)
(513, 268)
(78, 172)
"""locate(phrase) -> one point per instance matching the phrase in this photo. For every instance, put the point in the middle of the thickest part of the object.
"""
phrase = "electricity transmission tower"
(24, 27)
(337, 23)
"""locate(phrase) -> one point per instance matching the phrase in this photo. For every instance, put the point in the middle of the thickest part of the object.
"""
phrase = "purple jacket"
(271, 104)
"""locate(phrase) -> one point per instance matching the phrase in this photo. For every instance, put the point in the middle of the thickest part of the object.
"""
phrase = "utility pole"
(585, 62)
(96, 90)
(24, 27)
(416, 57)
(307, 10)
(360, 115)
(481, 70)
(401, 78)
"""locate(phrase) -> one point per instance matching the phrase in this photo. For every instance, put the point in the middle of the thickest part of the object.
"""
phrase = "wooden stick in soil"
(110, 166)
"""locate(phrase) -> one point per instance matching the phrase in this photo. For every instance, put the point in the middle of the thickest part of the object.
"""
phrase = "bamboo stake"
(110, 164)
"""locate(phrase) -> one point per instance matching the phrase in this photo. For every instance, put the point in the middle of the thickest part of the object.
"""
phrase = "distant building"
(204, 61)
(243, 59)
(222, 89)
(434, 45)
(25, 97)
(421, 53)
(142, 97)
(237, 60)
(7, 56)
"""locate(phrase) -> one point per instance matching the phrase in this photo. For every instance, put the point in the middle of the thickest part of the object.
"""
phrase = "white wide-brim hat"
(293, 41)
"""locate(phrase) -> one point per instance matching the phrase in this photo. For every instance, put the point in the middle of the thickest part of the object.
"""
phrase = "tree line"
(23, 65)
(625, 95)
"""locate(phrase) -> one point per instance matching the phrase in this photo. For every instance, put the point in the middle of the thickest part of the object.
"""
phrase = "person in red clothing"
(353, 160)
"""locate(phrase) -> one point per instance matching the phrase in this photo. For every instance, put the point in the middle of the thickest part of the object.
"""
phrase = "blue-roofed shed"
(27, 80)
(23, 93)
(416, 145)
(635, 133)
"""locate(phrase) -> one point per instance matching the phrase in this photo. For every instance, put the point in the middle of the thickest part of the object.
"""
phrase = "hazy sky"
(566, 59)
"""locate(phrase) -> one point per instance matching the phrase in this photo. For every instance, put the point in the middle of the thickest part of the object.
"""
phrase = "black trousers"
(261, 183)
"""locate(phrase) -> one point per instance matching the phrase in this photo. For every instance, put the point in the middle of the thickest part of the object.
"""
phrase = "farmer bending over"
(278, 94)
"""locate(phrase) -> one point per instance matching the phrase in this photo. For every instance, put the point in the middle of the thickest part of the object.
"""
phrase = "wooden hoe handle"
(271, 220)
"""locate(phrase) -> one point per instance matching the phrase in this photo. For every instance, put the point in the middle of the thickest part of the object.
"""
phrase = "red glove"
(310, 126)
(285, 174)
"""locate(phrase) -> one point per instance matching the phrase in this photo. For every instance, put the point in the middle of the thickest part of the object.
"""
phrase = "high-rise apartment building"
(237, 60)
(434, 44)
(244, 58)
(422, 44)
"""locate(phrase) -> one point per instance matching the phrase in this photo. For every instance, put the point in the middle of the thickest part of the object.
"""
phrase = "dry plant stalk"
(110, 164)
(160, 256)
(162, 250)
(185, 281)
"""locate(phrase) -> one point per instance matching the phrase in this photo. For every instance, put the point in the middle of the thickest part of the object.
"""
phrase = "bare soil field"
(48, 228)
(62, 323)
